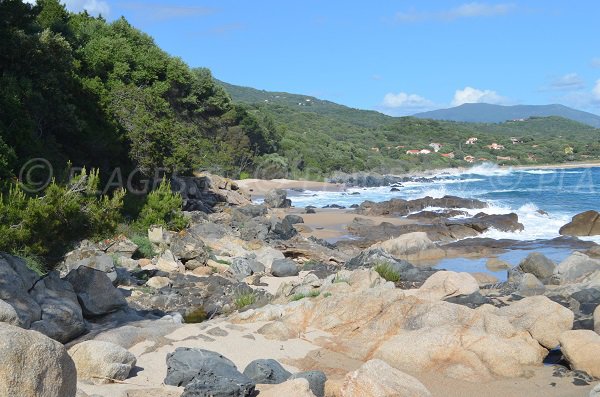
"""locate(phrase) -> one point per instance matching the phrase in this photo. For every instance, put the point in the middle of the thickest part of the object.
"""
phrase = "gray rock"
(91, 257)
(95, 292)
(8, 314)
(530, 285)
(284, 268)
(584, 224)
(120, 247)
(277, 199)
(283, 230)
(316, 380)
(100, 362)
(294, 219)
(266, 371)
(62, 318)
(375, 256)
(575, 267)
(538, 265)
(204, 373)
(16, 279)
(32, 364)
(244, 267)
(186, 246)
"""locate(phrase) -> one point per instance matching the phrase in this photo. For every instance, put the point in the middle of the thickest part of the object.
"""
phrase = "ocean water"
(544, 199)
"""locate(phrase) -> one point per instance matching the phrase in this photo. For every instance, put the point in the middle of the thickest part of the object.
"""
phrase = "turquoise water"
(561, 193)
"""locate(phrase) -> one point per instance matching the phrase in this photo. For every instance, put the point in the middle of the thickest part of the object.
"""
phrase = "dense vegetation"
(320, 136)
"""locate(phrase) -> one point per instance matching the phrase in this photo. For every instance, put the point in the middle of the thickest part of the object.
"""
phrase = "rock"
(244, 267)
(310, 211)
(203, 271)
(62, 318)
(158, 282)
(472, 301)
(32, 364)
(283, 230)
(411, 246)
(89, 257)
(121, 247)
(101, 362)
(575, 267)
(250, 211)
(595, 392)
(583, 224)
(291, 388)
(495, 265)
(483, 222)
(445, 284)
(293, 219)
(530, 285)
(485, 278)
(157, 235)
(375, 378)
(597, 319)
(316, 380)
(167, 262)
(185, 247)
(284, 268)
(206, 191)
(193, 264)
(266, 371)
(581, 348)
(96, 294)
(277, 199)
(544, 319)
(127, 263)
(401, 207)
(538, 265)
(206, 374)
(16, 279)
(8, 314)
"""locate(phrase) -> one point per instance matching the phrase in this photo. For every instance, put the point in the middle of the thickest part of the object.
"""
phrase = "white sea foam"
(488, 169)
(537, 172)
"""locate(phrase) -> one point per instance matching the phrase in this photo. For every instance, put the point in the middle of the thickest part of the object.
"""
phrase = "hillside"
(488, 113)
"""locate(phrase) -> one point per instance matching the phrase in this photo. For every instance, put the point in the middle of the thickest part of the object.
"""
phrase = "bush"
(162, 208)
(245, 299)
(387, 272)
(145, 247)
(46, 225)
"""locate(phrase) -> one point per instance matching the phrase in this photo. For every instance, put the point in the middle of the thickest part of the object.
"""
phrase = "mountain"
(306, 103)
(488, 113)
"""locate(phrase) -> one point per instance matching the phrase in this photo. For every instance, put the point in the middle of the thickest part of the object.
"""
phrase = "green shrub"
(387, 272)
(47, 225)
(162, 208)
(245, 299)
(145, 247)
(311, 294)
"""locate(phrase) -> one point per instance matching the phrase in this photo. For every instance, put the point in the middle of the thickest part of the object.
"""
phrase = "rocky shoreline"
(251, 300)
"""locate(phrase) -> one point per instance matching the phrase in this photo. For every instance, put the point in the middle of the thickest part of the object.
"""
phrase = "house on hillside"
(435, 146)
(413, 151)
(424, 151)
(471, 141)
(375, 149)
(469, 159)
(495, 146)
(448, 155)
(503, 158)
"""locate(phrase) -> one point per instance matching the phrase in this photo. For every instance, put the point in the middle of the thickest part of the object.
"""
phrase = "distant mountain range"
(487, 113)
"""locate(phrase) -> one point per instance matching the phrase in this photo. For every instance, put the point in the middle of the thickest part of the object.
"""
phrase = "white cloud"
(93, 7)
(473, 95)
(165, 11)
(467, 10)
(570, 81)
(404, 100)
(596, 90)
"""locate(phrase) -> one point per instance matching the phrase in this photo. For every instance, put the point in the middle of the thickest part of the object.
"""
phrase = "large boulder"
(584, 224)
(204, 373)
(62, 318)
(185, 246)
(538, 265)
(284, 268)
(544, 319)
(446, 284)
(32, 364)
(316, 380)
(282, 230)
(167, 262)
(581, 348)
(119, 246)
(206, 191)
(87, 255)
(8, 314)
(101, 362)
(16, 280)
(277, 199)
(244, 267)
(266, 371)
(575, 267)
(376, 378)
(291, 388)
(410, 246)
(96, 294)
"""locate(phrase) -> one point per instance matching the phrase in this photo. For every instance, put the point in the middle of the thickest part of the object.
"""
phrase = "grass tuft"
(245, 299)
(387, 272)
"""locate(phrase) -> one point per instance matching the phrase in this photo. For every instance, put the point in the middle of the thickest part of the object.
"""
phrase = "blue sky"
(399, 57)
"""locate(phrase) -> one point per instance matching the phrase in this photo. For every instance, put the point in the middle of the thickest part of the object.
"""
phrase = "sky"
(399, 57)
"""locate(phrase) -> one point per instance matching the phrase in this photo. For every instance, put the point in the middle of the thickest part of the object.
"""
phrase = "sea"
(544, 199)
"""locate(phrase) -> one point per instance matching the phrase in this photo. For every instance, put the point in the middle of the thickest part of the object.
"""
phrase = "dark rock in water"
(267, 372)
(394, 189)
(538, 265)
(284, 268)
(283, 230)
(363, 179)
(401, 207)
(293, 219)
(472, 301)
(436, 214)
(204, 373)
(95, 292)
(335, 206)
(583, 224)
(277, 199)
(316, 381)
(482, 222)
(244, 267)
(355, 194)
(62, 318)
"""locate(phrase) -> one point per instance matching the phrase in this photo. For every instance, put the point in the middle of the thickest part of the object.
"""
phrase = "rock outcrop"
(584, 224)
(207, 191)
(581, 348)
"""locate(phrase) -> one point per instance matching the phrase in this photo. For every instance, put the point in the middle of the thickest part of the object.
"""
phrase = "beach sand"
(259, 187)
